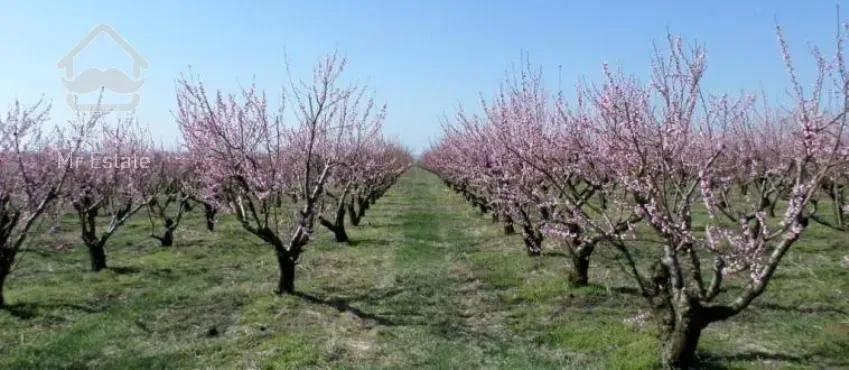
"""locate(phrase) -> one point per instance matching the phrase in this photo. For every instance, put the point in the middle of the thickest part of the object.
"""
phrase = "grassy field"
(427, 282)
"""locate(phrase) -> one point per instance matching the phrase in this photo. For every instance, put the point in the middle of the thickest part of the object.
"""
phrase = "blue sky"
(422, 58)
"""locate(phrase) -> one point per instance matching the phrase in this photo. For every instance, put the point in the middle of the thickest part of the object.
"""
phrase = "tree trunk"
(839, 203)
(680, 340)
(579, 275)
(209, 215)
(357, 216)
(533, 245)
(93, 243)
(167, 239)
(340, 235)
(4, 272)
(98, 256)
(532, 239)
(771, 209)
(352, 214)
(681, 319)
(286, 263)
(337, 228)
(544, 213)
(508, 225)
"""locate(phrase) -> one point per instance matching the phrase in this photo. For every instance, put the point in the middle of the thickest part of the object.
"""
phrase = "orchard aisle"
(441, 314)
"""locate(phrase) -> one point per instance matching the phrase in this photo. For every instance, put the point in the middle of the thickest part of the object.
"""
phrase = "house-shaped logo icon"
(94, 79)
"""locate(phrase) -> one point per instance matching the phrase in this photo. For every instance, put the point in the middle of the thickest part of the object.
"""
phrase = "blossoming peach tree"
(270, 174)
(628, 153)
(109, 181)
(673, 147)
(34, 166)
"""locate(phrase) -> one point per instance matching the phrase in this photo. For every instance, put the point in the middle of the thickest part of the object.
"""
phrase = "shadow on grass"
(627, 290)
(378, 225)
(715, 361)
(370, 241)
(44, 252)
(125, 270)
(342, 305)
(26, 311)
(831, 247)
(555, 254)
(604, 290)
(157, 272)
(805, 310)
(376, 298)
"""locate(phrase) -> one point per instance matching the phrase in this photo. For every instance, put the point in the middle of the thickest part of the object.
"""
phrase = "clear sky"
(420, 57)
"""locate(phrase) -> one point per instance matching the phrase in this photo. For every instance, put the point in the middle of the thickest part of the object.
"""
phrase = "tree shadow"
(27, 311)
(41, 252)
(379, 225)
(374, 298)
(627, 290)
(342, 305)
(717, 361)
(157, 272)
(370, 241)
(831, 247)
(124, 270)
(796, 309)
(555, 254)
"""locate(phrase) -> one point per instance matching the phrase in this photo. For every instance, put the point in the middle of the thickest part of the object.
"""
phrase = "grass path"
(450, 318)
(427, 283)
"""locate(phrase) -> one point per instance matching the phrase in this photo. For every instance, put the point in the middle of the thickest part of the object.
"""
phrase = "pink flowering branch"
(659, 152)
(272, 176)
(32, 175)
(168, 175)
(109, 182)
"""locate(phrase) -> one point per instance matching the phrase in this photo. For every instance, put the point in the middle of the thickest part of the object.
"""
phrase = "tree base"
(97, 254)
(579, 276)
(286, 284)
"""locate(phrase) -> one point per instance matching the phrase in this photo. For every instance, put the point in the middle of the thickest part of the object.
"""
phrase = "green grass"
(428, 282)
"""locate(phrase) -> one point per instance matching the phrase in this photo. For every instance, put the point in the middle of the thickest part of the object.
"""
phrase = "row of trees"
(277, 177)
(723, 185)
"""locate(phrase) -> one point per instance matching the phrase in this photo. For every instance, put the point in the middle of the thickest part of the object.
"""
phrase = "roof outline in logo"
(67, 62)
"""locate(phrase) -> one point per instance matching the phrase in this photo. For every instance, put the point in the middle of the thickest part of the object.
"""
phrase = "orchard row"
(723, 186)
(282, 177)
